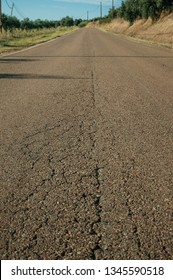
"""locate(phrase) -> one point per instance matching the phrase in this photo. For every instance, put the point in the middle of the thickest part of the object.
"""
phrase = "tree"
(164, 4)
(27, 24)
(149, 9)
(112, 13)
(132, 9)
(67, 21)
(122, 10)
(77, 21)
(10, 22)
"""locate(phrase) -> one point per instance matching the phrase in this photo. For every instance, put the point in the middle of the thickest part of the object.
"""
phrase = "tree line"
(12, 22)
(132, 9)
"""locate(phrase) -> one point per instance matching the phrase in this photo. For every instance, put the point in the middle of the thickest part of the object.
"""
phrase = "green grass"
(18, 39)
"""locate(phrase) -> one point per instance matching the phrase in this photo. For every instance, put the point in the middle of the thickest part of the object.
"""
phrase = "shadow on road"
(17, 60)
(37, 77)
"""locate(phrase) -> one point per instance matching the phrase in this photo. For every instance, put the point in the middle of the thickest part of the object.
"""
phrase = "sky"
(57, 9)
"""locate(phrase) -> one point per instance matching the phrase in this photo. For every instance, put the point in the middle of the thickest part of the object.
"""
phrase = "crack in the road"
(127, 169)
(36, 153)
(97, 252)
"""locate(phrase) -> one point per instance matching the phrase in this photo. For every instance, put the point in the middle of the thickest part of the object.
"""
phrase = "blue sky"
(57, 9)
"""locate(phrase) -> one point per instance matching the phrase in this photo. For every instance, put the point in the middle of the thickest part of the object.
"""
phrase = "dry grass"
(19, 39)
(162, 31)
(159, 32)
(120, 25)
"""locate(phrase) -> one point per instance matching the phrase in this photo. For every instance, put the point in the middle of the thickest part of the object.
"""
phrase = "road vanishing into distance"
(86, 139)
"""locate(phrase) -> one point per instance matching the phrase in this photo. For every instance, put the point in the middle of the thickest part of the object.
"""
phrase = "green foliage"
(105, 20)
(112, 13)
(67, 21)
(10, 23)
(133, 9)
(26, 24)
(77, 22)
(121, 10)
(82, 24)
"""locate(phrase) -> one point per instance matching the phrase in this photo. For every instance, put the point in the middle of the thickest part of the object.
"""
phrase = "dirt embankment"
(160, 32)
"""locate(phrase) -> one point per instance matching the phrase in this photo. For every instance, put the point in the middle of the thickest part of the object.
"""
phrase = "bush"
(10, 23)
(104, 20)
(67, 21)
(82, 24)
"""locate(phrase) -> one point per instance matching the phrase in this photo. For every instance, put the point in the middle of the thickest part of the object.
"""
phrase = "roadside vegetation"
(25, 33)
(132, 10)
(18, 39)
(149, 20)
(19, 34)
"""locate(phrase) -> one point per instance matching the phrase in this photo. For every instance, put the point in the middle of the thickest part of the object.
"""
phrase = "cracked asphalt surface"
(86, 140)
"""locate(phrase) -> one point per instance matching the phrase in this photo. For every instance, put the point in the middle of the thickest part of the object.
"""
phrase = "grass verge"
(18, 39)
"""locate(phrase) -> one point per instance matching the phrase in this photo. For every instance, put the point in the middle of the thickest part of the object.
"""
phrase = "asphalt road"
(86, 138)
